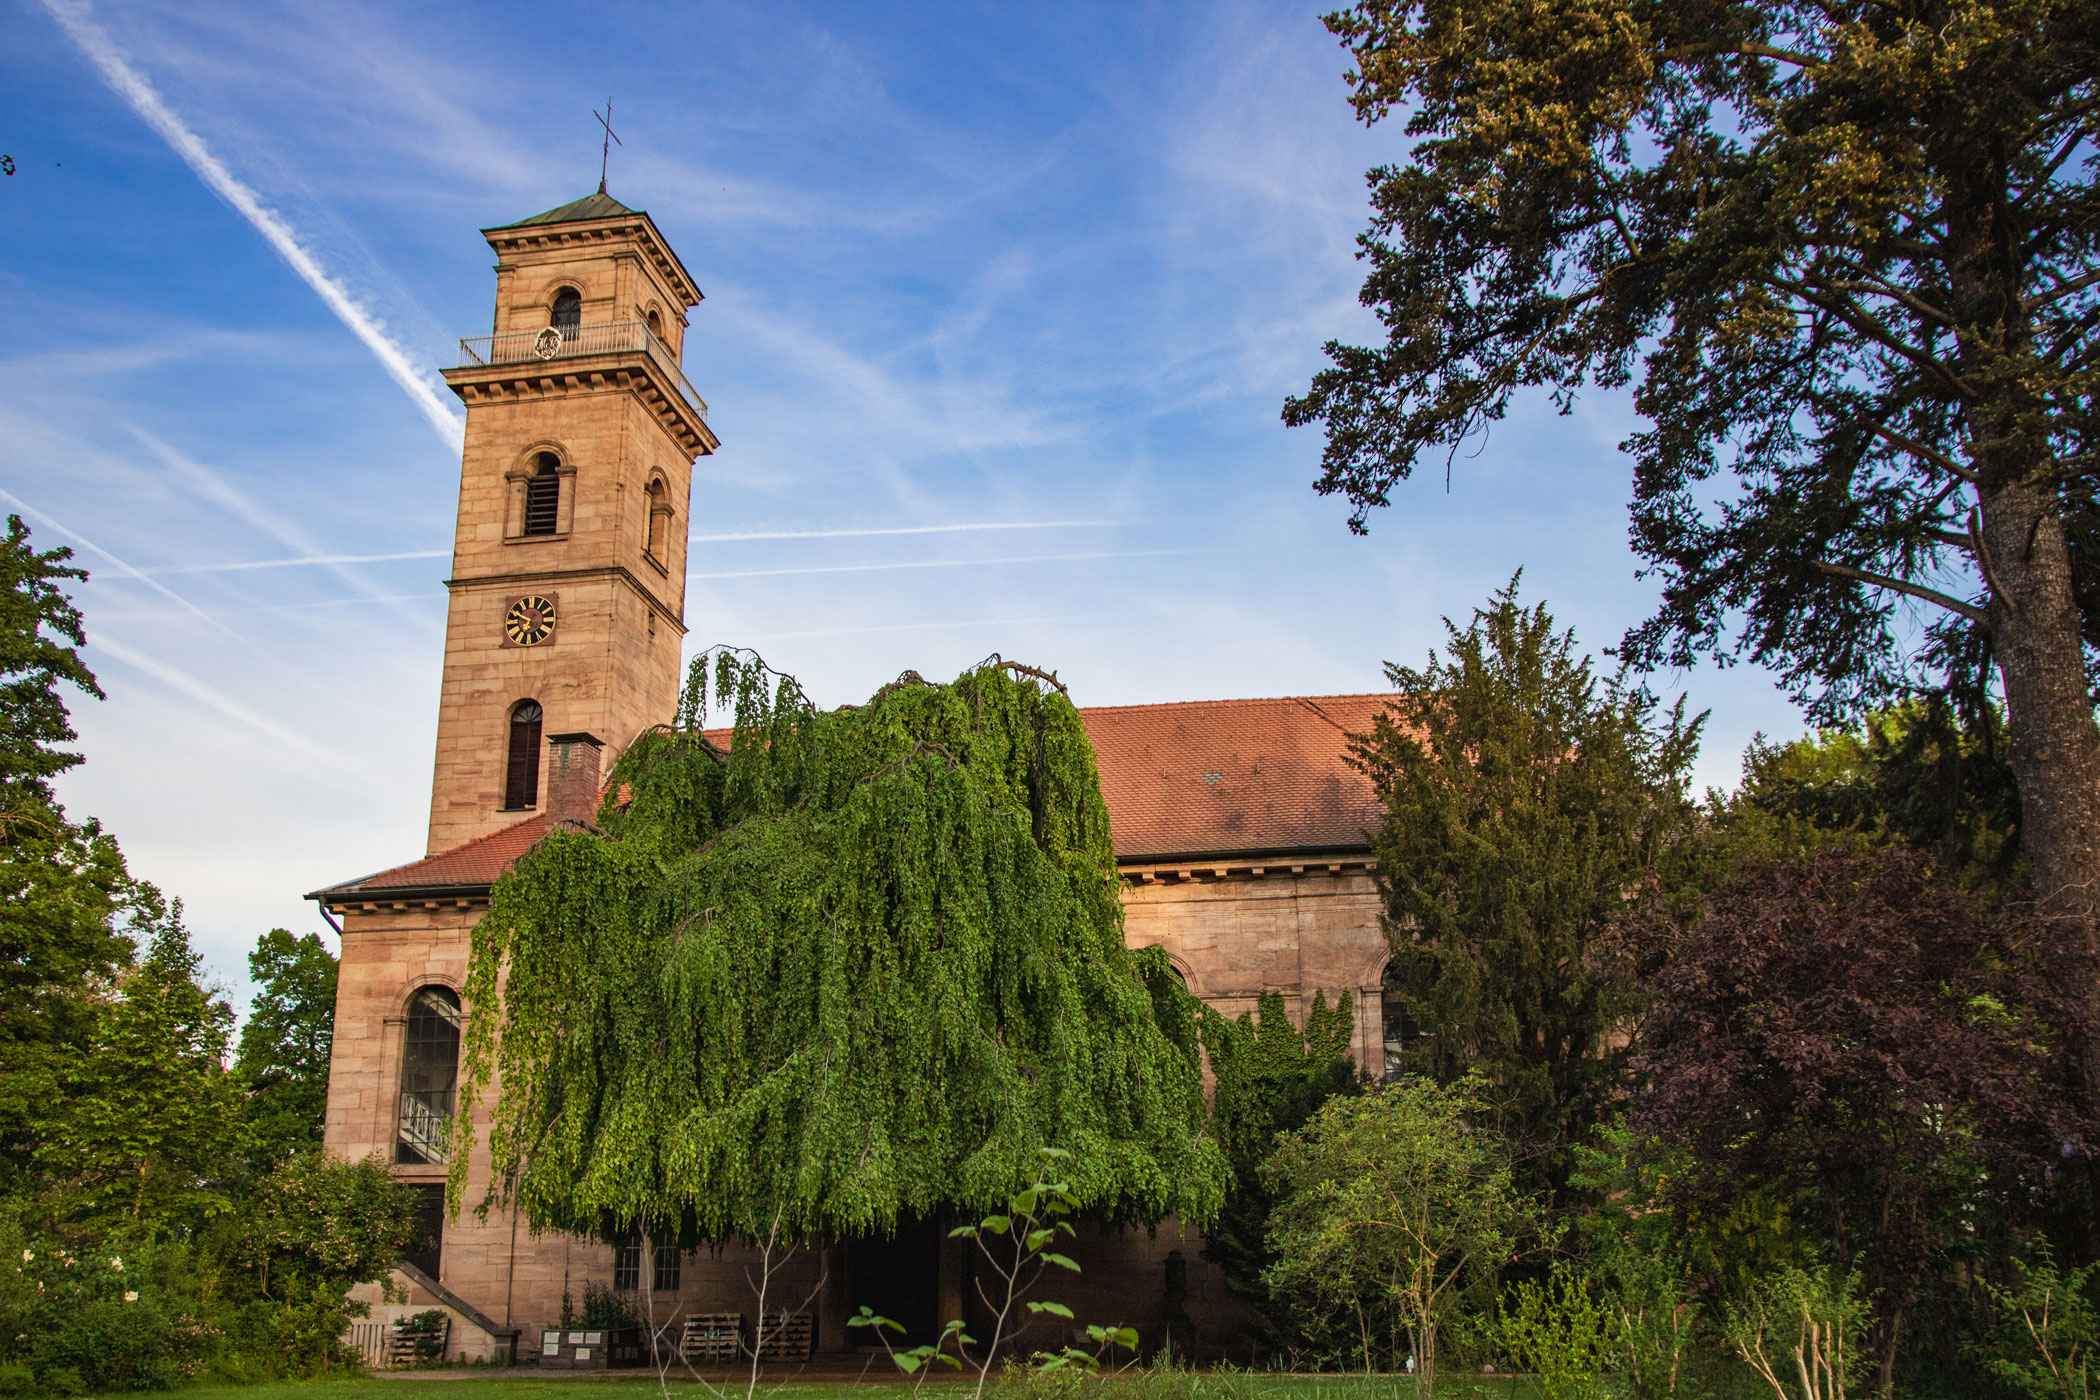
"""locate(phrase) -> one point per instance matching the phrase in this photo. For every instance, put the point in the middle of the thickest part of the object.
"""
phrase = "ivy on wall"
(860, 965)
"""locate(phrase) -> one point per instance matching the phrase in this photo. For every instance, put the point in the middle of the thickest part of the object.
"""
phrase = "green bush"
(2047, 1329)
(255, 1294)
(1560, 1333)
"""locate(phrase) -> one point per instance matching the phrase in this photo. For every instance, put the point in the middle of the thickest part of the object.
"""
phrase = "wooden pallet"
(712, 1338)
(408, 1348)
(788, 1336)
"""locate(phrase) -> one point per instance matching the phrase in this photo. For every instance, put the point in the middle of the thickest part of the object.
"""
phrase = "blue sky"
(1002, 304)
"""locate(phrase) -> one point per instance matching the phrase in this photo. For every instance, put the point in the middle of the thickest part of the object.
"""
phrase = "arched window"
(429, 1076)
(659, 521)
(567, 314)
(521, 769)
(1402, 1034)
(656, 325)
(543, 496)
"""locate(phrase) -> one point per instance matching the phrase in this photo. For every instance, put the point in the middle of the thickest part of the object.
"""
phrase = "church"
(1240, 829)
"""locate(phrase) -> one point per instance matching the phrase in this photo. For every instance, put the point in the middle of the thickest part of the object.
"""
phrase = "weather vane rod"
(612, 138)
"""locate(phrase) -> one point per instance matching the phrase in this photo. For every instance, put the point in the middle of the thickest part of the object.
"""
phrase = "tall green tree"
(285, 1042)
(147, 1134)
(40, 640)
(1847, 253)
(1528, 804)
(1270, 1078)
(64, 890)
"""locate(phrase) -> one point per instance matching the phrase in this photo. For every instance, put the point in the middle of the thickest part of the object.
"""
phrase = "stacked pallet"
(712, 1339)
(426, 1344)
(786, 1337)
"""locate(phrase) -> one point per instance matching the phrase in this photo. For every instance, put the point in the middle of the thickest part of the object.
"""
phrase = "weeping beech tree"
(863, 964)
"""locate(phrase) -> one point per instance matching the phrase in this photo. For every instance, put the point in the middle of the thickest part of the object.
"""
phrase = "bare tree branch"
(1915, 590)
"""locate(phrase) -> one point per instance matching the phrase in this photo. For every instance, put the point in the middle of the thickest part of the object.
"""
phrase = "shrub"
(1560, 1333)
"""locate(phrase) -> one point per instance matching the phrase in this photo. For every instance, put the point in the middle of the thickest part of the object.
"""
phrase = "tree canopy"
(1870, 1049)
(282, 1060)
(1528, 804)
(63, 886)
(860, 964)
(37, 621)
(1846, 254)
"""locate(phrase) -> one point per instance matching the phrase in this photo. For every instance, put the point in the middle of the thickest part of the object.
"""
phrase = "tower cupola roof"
(595, 205)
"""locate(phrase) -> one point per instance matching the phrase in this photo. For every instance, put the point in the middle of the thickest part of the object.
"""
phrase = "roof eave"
(402, 894)
(1243, 854)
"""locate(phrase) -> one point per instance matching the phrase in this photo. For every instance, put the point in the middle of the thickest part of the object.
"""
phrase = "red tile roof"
(476, 865)
(1206, 778)
(1234, 777)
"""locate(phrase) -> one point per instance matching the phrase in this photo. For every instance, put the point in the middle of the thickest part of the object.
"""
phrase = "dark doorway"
(428, 1251)
(900, 1278)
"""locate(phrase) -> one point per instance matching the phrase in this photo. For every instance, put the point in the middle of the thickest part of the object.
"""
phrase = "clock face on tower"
(529, 620)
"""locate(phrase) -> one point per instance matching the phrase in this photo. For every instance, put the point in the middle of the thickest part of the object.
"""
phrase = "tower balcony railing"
(567, 342)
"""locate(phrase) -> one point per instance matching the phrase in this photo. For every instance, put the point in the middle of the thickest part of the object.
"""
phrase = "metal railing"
(423, 1126)
(567, 342)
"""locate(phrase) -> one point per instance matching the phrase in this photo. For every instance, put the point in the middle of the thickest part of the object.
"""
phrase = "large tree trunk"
(2049, 711)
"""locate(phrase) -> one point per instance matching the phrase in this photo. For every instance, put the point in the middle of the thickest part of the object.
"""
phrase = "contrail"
(310, 560)
(924, 626)
(73, 16)
(951, 563)
(123, 568)
(187, 684)
(898, 530)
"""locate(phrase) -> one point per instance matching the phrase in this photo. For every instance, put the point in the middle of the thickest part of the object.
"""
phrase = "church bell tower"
(568, 562)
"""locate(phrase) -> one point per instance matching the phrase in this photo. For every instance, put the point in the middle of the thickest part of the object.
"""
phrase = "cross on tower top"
(612, 138)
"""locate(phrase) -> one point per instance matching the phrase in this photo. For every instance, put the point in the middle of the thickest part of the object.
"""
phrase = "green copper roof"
(592, 206)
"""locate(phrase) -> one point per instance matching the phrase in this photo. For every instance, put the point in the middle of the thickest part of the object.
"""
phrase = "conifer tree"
(63, 885)
(282, 1062)
(1845, 256)
(1528, 804)
(147, 1134)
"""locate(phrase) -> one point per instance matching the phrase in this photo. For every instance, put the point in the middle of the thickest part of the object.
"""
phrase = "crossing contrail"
(93, 40)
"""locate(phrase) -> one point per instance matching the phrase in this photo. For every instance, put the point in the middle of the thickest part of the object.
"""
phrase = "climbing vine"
(848, 966)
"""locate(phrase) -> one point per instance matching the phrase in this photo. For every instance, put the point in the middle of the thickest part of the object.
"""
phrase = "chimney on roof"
(572, 779)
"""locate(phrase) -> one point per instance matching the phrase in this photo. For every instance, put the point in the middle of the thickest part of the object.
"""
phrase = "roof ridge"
(1307, 700)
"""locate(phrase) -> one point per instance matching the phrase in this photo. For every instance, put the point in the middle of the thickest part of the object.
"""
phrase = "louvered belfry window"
(543, 496)
(521, 774)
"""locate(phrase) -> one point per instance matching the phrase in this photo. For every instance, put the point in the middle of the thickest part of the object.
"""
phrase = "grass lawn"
(504, 1384)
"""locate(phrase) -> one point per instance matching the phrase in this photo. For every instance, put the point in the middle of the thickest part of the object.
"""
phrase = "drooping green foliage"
(1270, 1077)
(862, 963)
(1529, 806)
(285, 1042)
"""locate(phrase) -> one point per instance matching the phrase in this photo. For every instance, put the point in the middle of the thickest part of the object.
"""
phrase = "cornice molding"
(596, 571)
(620, 371)
(558, 238)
